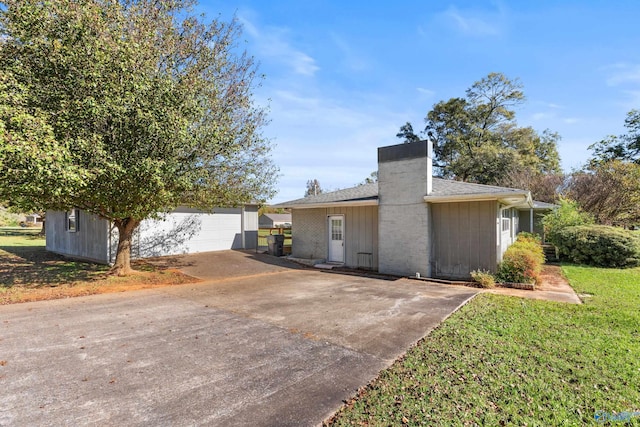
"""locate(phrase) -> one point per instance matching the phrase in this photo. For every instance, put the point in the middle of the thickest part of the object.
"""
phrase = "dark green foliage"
(599, 245)
(623, 147)
(567, 214)
(477, 139)
(522, 261)
(127, 110)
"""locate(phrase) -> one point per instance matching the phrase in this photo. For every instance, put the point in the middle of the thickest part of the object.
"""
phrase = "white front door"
(336, 238)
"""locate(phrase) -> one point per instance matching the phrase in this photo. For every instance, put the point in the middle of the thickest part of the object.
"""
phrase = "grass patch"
(508, 361)
(264, 232)
(29, 273)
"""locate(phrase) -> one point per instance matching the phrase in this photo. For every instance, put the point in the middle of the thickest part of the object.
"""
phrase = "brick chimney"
(404, 178)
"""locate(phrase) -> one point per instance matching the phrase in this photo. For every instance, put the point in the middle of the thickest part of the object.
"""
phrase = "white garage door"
(189, 232)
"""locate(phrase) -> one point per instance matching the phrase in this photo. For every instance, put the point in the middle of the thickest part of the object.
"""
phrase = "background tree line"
(477, 139)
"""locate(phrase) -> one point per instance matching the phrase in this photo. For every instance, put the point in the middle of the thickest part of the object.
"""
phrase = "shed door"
(336, 238)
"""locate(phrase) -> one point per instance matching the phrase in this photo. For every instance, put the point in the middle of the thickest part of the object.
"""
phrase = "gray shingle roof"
(441, 188)
(448, 187)
(359, 193)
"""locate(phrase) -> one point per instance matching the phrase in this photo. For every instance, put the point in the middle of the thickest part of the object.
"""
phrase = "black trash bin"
(276, 244)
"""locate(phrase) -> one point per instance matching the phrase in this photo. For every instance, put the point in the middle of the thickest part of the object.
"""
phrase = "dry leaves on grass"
(33, 274)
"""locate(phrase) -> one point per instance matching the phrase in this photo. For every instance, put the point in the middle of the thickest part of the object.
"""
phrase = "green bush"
(522, 261)
(484, 278)
(529, 237)
(567, 214)
(599, 245)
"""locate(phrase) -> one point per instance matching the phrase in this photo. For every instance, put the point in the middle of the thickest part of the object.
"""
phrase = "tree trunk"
(43, 230)
(122, 265)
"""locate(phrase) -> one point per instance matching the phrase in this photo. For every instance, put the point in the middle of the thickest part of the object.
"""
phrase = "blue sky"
(342, 77)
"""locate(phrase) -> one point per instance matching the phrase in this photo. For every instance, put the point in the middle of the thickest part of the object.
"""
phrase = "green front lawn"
(509, 361)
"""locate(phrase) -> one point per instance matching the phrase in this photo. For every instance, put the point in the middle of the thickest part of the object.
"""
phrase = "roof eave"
(508, 198)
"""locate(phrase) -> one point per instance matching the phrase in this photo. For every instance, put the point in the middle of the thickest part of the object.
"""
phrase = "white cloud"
(273, 43)
(427, 93)
(352, 59)
(541, 116)
(472, 23)
(622, 73)
(633, 99)
(322, 137)
(571, 120)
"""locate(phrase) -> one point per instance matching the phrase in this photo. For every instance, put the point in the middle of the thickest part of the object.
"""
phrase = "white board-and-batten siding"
(181, 231)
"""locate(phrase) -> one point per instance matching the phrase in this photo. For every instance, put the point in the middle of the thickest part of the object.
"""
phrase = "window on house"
(506, 221)
(72, 220)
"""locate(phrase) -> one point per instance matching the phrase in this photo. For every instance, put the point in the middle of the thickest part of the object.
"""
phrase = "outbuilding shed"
(78, 234)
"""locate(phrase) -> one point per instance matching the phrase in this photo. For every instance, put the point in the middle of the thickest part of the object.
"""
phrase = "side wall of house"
(404, 217)
(360, 235)
(464, 238)
(89, 242)
(310, 234)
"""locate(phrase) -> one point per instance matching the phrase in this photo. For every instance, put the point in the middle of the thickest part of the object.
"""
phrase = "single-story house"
(82, 235)
(409, 222)
(274, 220)
(33, 218)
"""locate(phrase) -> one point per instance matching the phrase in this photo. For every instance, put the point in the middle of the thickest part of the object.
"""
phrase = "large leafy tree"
(609, 191)
(624, 147)
(477, 138)
(127, 109)
(313, 188)
(608, 187)
(544, 187)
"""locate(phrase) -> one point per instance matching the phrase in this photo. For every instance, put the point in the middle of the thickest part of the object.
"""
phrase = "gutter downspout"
(429, 166)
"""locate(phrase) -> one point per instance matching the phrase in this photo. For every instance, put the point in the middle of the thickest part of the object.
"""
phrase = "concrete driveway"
(263, 343)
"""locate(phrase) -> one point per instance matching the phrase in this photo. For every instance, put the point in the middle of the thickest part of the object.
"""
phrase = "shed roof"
(276, 217)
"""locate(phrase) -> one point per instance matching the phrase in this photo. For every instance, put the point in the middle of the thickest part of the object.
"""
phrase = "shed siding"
(463, 238)
(184, 230)
(90, 242)
(310, 234)
(251, 227)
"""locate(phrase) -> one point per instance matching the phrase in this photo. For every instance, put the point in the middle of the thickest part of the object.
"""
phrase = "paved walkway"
(553, 287)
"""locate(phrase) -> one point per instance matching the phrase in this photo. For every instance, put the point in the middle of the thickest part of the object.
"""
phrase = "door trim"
(330, 252)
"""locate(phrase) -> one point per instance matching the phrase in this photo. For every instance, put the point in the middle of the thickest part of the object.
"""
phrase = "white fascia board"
(507, 198)
(332, 204)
